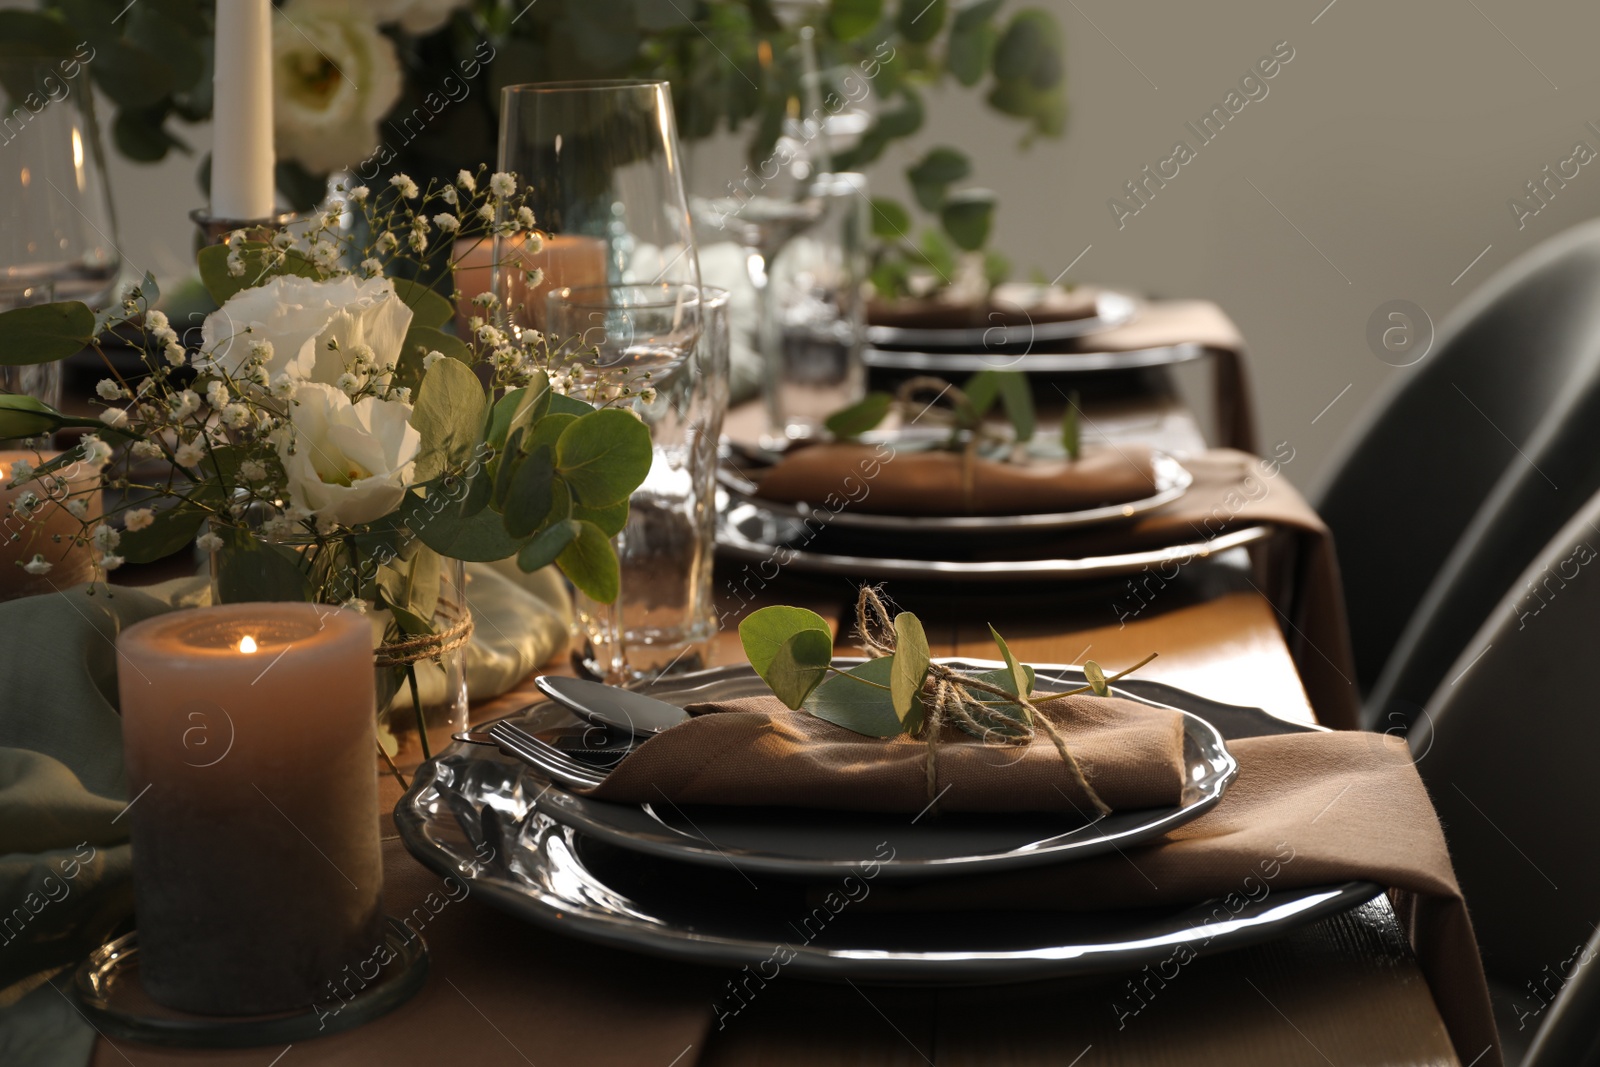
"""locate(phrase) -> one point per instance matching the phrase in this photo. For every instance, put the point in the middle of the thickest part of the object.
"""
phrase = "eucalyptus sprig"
(900, 689)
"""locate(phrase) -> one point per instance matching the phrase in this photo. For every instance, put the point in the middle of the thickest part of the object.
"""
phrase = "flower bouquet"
(326, 438)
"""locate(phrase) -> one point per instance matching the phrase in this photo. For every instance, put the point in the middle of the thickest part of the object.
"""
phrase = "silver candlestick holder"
(215, 229)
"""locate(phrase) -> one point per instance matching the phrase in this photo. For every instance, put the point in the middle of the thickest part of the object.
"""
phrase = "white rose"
(334, 77)
(299, 316)
(350, 463)
(415, 16)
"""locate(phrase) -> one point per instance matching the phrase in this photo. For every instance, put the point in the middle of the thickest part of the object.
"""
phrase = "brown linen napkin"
(941, 483)
(1233, 490)
(1305, 810)
(1170, 322)
(758, 752)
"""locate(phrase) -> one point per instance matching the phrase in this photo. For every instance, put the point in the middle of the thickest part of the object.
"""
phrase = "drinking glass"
(42, 381)
(663, 619)
(56, 222)
(817, 302)
(603, 161)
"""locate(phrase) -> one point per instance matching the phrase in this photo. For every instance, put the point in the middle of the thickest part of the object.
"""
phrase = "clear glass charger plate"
(476, 814)
(1169, 482)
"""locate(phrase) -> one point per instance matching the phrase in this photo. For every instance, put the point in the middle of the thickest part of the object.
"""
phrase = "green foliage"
(858, 418)
(911, 659)
(44, 333)
(764, 632)
(1071, 437)
(858, 699)
(261, 263)
(428, 308)
(23, 416)
(591, 563)
(603, 456)
(932, 175)
(966, 217)
(448, 416)
(850, 20)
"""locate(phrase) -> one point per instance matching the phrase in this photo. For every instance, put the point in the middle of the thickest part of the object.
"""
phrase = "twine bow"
(947, 695)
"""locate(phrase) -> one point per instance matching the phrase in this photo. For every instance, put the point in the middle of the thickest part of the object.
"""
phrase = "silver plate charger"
(476, 814)
(797, 843)
(974, 360)
(754, 534)
(1170, 481)
(1111, 309)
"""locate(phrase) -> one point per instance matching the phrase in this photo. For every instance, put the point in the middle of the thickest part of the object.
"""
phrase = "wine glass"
(57, 228)
(639, 345)
(603, 161)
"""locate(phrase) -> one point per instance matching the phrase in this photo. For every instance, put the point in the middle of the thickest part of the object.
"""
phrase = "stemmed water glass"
(638, 346)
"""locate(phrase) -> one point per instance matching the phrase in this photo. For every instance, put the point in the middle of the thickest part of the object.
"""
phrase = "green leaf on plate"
(763, 632)
(44, 333)
(911, 659)
(859, 417)
(603, 456)
(1096, 678)
(799, 666)
(865, 709)
(1019, 683)
(591, 563)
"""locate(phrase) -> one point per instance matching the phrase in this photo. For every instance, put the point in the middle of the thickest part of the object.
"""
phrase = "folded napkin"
(1233, 490)
(758, 752)
(1305, 810)
(943, 483)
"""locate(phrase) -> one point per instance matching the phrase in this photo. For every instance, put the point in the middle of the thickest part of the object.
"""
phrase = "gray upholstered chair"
(1508, 746)
(1513, 376)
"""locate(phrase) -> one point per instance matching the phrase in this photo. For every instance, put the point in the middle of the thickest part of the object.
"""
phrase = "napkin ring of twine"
(457, 630)
(947, 695)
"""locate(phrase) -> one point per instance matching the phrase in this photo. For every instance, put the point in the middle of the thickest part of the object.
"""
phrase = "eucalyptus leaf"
(764, 631)
(44, 333)
(249, 569)
(890, 220)
(548, 430)
(967, 217)
(1019, 683)
(170, 530)
(444, 525)
(527, 501)
(850, 19)
(24, 416)
(591, 563)
(428, 308)
(260, 265)
(799, 666)
(859, 417)
(611, 519)
(932, 175)
(546, 546)
(603, 457)
(1017, 397)
(969, 51)
(506, 466)
(920, 21)
(449, 417)
(846, 701)
(419, 341)
(1096, 678)
(911, 660)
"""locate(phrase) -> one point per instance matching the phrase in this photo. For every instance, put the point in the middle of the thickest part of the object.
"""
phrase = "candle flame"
(247, 644)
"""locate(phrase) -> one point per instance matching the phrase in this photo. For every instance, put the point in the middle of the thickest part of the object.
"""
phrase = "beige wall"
(1392, 140)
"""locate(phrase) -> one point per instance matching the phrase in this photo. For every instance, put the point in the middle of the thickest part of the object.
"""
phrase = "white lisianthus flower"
(139, 519)
(37, 565)
(347, 463)
(418, 17)
(407, 187)
(334, 77)
(299, 317)
(502, 184)
(208, 542)
(447, 222)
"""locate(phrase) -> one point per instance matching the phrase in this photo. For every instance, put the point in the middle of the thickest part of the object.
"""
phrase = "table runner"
(1172, 322)
(1306, 810)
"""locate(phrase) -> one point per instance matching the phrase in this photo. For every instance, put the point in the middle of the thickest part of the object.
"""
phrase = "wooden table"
(1344, 991)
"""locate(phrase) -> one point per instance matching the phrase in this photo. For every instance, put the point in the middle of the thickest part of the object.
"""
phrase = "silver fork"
(545, 758)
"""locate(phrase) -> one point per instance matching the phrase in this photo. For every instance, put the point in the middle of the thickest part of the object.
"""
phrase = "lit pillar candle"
(253, 801)
(241, 114)
(47, 529)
